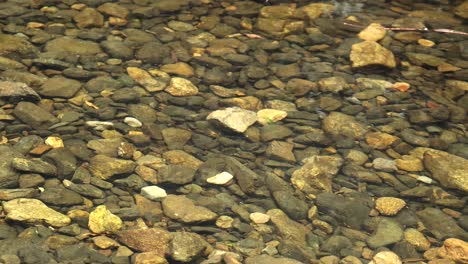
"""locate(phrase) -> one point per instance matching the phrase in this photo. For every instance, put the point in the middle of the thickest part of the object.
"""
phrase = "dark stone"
(291, 205)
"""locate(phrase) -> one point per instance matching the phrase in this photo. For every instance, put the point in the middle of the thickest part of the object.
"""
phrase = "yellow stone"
(102, 220)
(389, 205)
(268, 116)
(379, 140)
(409, 163)
(426, 42)
(417, 239)
(373, 32)
(54, 142)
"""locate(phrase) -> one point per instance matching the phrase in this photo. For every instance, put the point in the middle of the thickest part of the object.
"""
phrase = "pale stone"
(181, 87)
(102, 220)
(409, 163)
(385, 257)
(259, 218)
(379, 140)
(389, 205)
(373, 32)
(34, 211)
(133, 122)
(145, 79)
(267, 116)
(154, 193)
(221, 178)
(235, 118)
(54, 142)
(370, 53)
(104, 242)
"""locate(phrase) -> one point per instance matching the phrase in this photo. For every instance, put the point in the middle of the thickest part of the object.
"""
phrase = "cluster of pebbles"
(206, 131)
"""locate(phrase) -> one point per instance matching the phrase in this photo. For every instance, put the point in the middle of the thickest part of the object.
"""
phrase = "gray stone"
(59, 87)
(117, 49)
(8, 175)
(176, 138)
(34, 165)
(34, 115)
(234, 118)
(63, 159)
(388, 232)
(142, 112)
(73, 46)
(440, 224)
(60, 196)
(186, 246)
(248, 180)
(16, 91)
(179, 207)
(294, 207)
(450, 170)
(274, 132)
(338, 124)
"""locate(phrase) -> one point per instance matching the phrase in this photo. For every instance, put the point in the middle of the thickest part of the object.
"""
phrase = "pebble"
(133, 122)
(221, 178)
(385, 257)
(234, 118)
(34, 211)
(389, 205)
(268, 116)
(101, 220)
(154, 193)
(224, 221)
(54, 142)
(259, 218)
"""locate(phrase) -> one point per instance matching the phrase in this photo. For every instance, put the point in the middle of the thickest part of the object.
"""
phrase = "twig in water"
(440, 30)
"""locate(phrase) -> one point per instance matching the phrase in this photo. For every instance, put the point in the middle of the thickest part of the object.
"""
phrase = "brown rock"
(389, 205)
(450, 170)
(379, 140)
(89, 17)
(373, 32)
(113, 9)
(153, 239)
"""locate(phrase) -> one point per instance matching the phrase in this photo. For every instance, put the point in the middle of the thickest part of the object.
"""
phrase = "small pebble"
(385, 257)
(54, 142)
(221, 178)
(224, 221)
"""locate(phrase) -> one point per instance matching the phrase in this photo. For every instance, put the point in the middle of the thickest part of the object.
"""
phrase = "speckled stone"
(389, 205)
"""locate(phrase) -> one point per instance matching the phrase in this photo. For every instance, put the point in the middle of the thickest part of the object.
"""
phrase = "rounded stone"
(259, 218)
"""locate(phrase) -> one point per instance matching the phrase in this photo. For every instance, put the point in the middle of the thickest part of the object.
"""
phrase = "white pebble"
(133, 122)
(100, 125)
(221, 178)
(153, 193)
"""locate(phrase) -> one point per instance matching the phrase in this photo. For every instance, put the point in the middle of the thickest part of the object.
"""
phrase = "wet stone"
(340, 124)
(178, 207)
(17, 90)
(34, 165)
(102, 220)
(34, 115)
(440, 225)
(388, 232)
(156, 240)
(234, 118)
(186, 246)
(369, 53)
(35, 212)
(105, 167)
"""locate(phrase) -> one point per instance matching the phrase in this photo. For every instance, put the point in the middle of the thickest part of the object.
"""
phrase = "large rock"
(186, 246)
(450, 170)
(14, 45)
(105, 167)
(33, 211)
(17, 91)
(179, 207)
(440, 224)
(73, 46)
(316, 174)
(370, 53)
(338, 124)
(34, 115)
(60, 87)
(388, 232)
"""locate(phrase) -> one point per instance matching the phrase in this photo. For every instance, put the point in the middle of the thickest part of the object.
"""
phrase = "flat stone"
(105, 167)
(450, 170)
(181, 87)
(417, 239)
(8, 175)
(33, 211)
(234, 118)
(340, 124)
(268, 116)
(385, 257)
(221, 178)
(34, 165)
(114, 9)
(145, 79)
(280, 150)
(73, 46)
(388, 232)
(455, 250)
(59, 87)
(17, 91)
(179, 207)
(89, 17)
(180, 68)
(259, 218)
(370, 53)
(34, 115)
(440, 224)
(316, 174)
(156, 240)
(186, 246)
(379, 140)
(373, 32)
(10, 194)
(102, 220)
(153, 193)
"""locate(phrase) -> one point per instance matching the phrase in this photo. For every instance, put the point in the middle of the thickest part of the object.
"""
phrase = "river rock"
(16, 91)
(89, 17)
(316, 174)
(340, 124)
(440, 224)
(34, 115)
(186, 246)
(59, 87)
(455, 250)
(102, 220)
(181, 87)
(34, 211)
(8, 175)
(389, 205)
(234, 118)
(154, 193)
(370, 53)
(145, 79)
(105, 167)
(73, 46)
(113, 9)
(179, 207)
(34, 165)
(152, 239)
(388, 232)
(450, 170)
